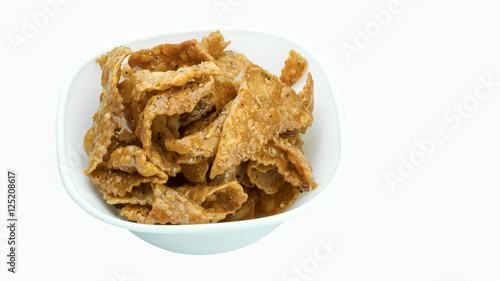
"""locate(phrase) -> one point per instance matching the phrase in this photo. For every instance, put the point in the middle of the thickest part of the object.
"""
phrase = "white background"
(441, 223)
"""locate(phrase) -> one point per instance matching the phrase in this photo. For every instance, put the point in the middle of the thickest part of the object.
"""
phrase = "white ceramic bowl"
(324, 143)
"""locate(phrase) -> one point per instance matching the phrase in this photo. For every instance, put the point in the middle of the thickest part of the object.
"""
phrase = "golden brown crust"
(264, 107)
(295, 67)
(107, 119)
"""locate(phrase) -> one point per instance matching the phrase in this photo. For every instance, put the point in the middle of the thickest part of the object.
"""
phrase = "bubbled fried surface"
(295, 67)
(263, 108)
(107, 119)
(208, 135)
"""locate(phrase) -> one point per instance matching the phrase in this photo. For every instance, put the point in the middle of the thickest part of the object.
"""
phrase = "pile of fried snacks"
(190, 133)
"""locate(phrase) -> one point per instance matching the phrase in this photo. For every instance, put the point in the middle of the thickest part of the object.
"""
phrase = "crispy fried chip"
(225, 198)
(271, 155)
(231, 63)
(108, 116)
(195, 173)
(266, 178)
(272, 204)
(160, 81)
(131, 159)
(306, 96)
(137, 213)
(141, 195)
(214, 43)
(247, 209)
(299, 161)
(172, 56)
(295, 67)
(191, 133)
(118, 182)
(264, 108)
(202, 143)
(171, 206)
(173, 101)
(221, 94)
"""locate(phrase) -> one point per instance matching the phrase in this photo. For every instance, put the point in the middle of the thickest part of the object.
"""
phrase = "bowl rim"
(67, 180)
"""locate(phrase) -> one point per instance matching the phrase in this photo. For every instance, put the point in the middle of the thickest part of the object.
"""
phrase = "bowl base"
(206, 243)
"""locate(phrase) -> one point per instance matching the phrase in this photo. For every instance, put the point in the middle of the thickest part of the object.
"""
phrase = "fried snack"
(264, 107)
(107, 119)
(203, 143)
(266, 178)
(272, 204)
(137, 213)
(195, 173)
(299, 161)
(306, 96)
(295, 67)
(118, 182)
(173, 101)
(141, 195)
(192, 133)
(160, 81)
(231, 63)
(133, 159)
(172, 56)
(172, 206)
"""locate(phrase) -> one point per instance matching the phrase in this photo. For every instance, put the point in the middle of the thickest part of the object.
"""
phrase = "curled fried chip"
(131, 159)
(191, 133)
(108, 116)
(173, 101)
(306, 96)
(214, 43)
(119, 183)
(247, 209)
(202, 143)
(264, 108)
(299, 161)
(141, 195)
(225, 198)
(160, 81)
(231, 63)
(171, 206)
(264, 177)
(137, 213)
(172, 56)
(195, 173)
(272, 204)
(295, 67)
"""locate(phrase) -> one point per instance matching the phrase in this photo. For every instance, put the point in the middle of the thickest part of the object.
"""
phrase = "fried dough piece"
(225, 198)
(266, 178)
(299, 161)
(173, 101)
(119, 183)
(214, 43)
(131, 159)
(160, 81)
(140, 195)
(306, 96)
(107, 119)
(228, 176)
(264, 107)
(247, 209)
(231, 63)
(137, 213)
(272, 204)
(202, 143)
(195, 173)
(172, 206)
(295, 67)
(223, 92)
(271, 155)
(172, 56)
